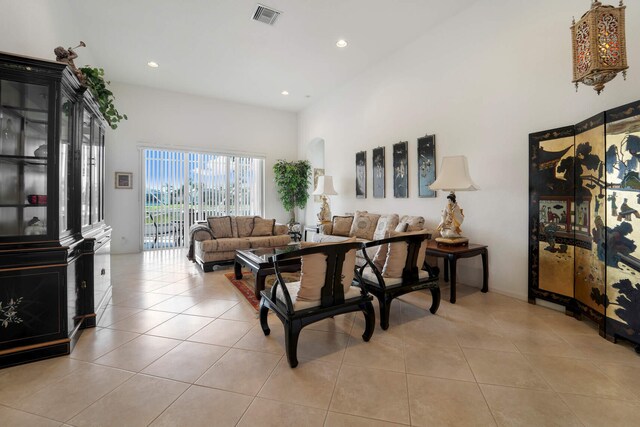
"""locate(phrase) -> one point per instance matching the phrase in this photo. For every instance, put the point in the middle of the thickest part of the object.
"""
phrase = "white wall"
(36, 27)
(174, 120)
(481, 82)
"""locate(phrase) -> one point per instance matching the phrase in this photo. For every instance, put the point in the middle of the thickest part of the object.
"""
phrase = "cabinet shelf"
(29, 160)
(30, 110)
(21, 205)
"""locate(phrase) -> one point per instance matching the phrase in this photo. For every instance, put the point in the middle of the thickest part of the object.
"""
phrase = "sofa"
(215, 241)
(365, 227)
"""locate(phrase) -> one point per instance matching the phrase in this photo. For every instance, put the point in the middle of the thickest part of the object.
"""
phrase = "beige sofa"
(215, 241)
(365, 226)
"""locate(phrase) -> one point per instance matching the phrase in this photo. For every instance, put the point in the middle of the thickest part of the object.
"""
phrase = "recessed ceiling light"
(341, 43)
(152, 64)
(284, 92)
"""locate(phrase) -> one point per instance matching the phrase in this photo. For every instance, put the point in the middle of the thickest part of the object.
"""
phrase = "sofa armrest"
(326, 228)
(279, 229)
(200, 231)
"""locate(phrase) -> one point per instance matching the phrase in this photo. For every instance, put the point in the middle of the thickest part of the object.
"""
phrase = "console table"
(451, 255)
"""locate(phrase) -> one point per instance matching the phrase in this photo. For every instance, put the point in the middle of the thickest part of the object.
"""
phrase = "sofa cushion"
(313, 268)
(280, 240)
(220, 226)
(414, 223)
(368, 274)
(328, 238)
(364, 225)
(397, 254)
(232, 243)
(259, 241)
(263, 227)
(385, 223)
(300, 304)
(380, 257)
(342, 225)
(243, 226)
(401, 227)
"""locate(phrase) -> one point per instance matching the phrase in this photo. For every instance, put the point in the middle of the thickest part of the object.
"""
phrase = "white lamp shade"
(454, 175)
(325, 186)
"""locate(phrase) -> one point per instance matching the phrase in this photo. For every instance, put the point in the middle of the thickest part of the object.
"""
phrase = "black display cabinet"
(51, 210)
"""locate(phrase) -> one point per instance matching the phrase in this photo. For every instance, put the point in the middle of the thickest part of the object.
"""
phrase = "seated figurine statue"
(452, 218)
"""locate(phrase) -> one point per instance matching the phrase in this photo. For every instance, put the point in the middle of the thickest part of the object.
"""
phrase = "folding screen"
(584, 189)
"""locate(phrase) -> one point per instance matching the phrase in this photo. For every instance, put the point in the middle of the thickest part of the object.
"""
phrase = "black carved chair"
(412, 278)
(295, 313)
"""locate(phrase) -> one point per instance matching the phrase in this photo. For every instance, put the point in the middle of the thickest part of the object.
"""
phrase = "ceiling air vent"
(265, 14)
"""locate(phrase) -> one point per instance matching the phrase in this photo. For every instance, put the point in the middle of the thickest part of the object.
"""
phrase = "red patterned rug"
(246, 285)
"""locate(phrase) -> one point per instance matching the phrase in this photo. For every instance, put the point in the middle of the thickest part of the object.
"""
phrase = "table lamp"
(453, 176)
(324, 189)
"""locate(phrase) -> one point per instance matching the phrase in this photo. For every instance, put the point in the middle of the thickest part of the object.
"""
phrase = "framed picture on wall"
(316, 173)
(378, 173)
(400, 170)
(426, 165)
(124, 180)
(361, 175)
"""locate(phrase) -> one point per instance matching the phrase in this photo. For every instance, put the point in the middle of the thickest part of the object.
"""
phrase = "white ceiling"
(213, 48)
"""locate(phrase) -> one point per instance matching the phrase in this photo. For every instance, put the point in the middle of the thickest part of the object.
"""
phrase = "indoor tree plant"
(292, 180)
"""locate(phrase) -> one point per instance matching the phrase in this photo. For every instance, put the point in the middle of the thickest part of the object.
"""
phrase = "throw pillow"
(401, 227)
(342, 225)
(385, 223)
(397, 255)
(364, 225)
(245, 225)
(414, 223)
(313, 271)
(381, 255)
(220, 226)
(263, 227)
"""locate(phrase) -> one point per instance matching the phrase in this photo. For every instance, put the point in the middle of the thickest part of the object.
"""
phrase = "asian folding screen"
(584, 220)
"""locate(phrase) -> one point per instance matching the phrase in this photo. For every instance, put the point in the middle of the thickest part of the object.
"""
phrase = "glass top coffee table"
(257, 260)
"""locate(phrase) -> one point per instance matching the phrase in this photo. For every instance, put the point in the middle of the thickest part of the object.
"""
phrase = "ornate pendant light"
(599, 46)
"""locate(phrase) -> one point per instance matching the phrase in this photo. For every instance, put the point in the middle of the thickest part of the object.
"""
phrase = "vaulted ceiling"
(213, 48)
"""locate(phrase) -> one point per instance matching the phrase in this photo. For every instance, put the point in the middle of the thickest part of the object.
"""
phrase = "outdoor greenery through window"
(184, 187)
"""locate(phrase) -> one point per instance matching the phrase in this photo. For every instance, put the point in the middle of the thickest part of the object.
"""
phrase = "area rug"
(246, 285)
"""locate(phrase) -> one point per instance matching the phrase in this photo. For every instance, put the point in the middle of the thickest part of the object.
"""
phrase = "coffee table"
(257, 260)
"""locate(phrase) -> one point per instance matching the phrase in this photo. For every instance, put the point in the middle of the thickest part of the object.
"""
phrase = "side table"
(310, 228)
(451, 255)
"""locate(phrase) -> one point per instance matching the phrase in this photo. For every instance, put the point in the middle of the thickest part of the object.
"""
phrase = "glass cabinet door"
(85, 170)
(95, 172)
(24, 128)
(66, 164)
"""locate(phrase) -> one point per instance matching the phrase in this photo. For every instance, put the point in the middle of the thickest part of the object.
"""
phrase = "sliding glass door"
(184, 187)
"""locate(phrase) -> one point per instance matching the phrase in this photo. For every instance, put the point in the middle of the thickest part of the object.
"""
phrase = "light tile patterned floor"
(177, 346)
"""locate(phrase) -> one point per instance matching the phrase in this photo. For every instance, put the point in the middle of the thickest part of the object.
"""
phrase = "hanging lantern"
(599, 46)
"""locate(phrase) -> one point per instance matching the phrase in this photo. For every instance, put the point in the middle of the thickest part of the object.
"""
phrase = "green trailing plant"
(292, 180)
(98, 86)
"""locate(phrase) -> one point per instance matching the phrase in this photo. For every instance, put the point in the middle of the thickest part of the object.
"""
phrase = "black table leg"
(485, 271)
(237, 268)
(452, 283)
(260, 278)
(446, 269)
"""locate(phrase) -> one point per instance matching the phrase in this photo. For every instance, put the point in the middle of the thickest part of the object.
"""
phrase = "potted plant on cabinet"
(292, 180)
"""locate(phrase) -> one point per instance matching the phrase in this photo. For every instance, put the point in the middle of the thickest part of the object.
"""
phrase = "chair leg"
(264, 311)
(435, 297)
(369, 320)
(291, 334)
(385, 310)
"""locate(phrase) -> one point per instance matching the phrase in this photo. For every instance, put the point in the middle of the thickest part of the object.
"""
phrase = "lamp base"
(452, 241)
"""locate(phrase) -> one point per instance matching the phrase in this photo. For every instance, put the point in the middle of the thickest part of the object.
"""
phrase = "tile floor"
(180, 347)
